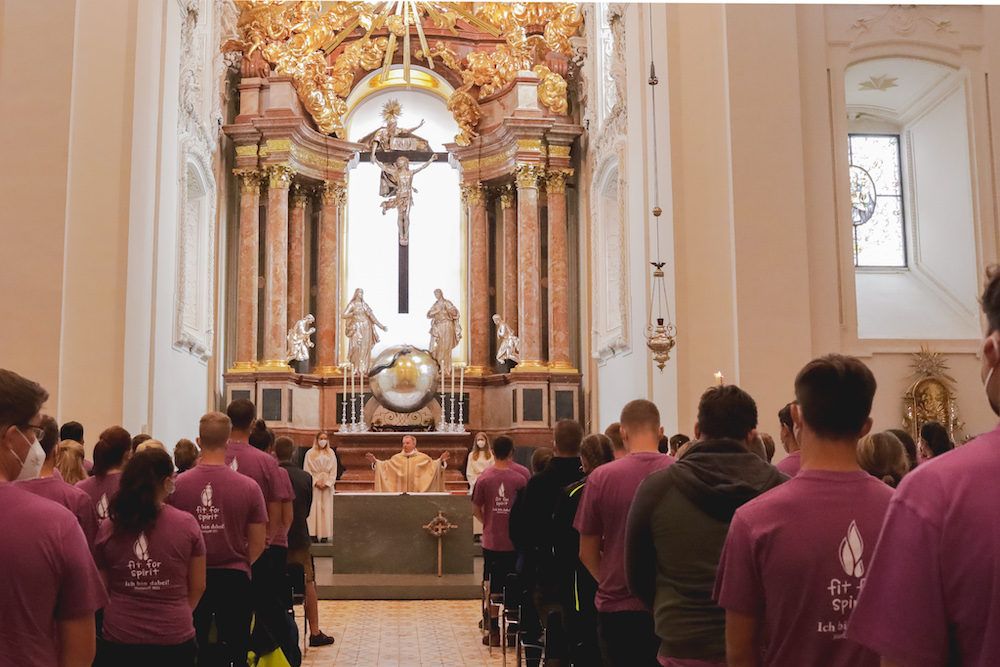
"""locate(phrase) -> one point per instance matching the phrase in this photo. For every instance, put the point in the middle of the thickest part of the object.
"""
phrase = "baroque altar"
(304, 68)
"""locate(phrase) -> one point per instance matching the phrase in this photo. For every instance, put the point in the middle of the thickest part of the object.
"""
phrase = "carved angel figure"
(299, 340)
(509, 345)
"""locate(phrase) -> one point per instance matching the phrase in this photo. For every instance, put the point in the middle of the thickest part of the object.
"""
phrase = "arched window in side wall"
(912, 211)
(877, 210)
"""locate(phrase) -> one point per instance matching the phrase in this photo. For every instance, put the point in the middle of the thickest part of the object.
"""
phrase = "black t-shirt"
(302, 484)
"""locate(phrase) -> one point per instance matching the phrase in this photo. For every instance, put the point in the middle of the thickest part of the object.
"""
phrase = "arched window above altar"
(435, 251)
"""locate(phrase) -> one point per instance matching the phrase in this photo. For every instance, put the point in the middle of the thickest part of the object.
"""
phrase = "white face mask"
(31, 466)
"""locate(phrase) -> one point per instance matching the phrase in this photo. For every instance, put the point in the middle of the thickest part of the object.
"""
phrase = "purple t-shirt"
(72, 498)
(100, 490)
(494, 492)
(225, 504)
(262, 468)
(148, 579)
(796, 558)
(607, 497)
(934, 580)
(790, 464)
(284, 486)
(514, 465)
(48, 575)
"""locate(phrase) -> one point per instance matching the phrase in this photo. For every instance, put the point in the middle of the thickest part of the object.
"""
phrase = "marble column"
(558, 305)
(296, 256)
(479, 262)
(327, 278)
(509, 311)
(246, 290)
(276, 274)
(529, 302)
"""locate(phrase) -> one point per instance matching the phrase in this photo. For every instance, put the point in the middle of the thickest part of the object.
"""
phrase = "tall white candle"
(461, 385)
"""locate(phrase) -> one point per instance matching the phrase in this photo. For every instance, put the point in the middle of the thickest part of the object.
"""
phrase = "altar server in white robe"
(321, 463)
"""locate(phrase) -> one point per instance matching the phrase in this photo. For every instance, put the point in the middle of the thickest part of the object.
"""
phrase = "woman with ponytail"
(883, 455)
(934, 440)
(110, 455)
(152, 559)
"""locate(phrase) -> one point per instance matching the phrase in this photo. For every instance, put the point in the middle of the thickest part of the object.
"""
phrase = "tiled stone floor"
(402, 633)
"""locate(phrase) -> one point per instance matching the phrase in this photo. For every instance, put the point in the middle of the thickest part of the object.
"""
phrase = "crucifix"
(392, 149)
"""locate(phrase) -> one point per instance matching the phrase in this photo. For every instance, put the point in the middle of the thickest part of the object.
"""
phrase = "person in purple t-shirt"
(152, 558)
(790, 464)
(492, 498)
(49, 484)
(932, 595)
(49, 586)
(796, 557)
(230, 510)
(624, 626)
(111, 453)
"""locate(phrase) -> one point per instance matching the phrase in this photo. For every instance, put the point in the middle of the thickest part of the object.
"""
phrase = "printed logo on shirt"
(141, 547)
(102, 506)
(235, 466)
(208, 514)
(500, 492)
(501, 503)
(851, 549)
(143, 571)
(844, 592)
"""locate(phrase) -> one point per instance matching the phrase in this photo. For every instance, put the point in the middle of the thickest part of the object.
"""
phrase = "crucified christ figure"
(403, 197)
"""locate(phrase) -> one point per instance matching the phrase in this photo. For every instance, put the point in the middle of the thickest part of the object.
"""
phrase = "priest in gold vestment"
(409, 471)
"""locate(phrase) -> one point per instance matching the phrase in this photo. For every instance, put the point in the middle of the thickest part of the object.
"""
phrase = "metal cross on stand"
(438, 527)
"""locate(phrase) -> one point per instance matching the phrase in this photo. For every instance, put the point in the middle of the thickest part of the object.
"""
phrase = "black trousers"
(226, 602)
(496, 566)
(110, 654)
(627, 639)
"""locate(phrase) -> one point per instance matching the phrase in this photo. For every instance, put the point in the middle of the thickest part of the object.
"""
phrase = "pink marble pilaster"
(296, 256)
(558, 305)
(327, 276)
(479, 304)
(509, 312)
(246, 291)
(529, 302)
(276, 283)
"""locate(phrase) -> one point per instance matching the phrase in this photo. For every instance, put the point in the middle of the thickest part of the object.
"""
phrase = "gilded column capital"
(299, 196)
(333, 193)
(555, 180)
(250, 180)
(281, 175)
(473, 194)
(527, 175)
(507, 196)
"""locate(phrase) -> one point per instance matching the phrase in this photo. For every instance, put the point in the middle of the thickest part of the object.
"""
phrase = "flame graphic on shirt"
(141, 547)
(235, 466)
(102, 506)
(206, 495)
(501, 492)
(852, 548)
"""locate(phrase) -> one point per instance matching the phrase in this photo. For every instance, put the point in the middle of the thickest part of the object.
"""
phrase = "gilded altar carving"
(299, 196)
(334, 193)
(527, 175)
(280, 175)
(930, 396)
(247, 151)
(472, 194)
(555, 180)
(250, 181)
(296, 38)
(507, 196)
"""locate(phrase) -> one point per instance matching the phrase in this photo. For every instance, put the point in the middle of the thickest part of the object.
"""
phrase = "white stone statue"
(359, 326)
(402, 199)
(299, 340)
(508, 344)
(446, 331)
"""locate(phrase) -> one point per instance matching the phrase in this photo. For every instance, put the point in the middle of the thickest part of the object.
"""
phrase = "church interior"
(443, 219)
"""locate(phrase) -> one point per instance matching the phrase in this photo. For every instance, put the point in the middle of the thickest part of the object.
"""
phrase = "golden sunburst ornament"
(928, 364)
(392, 110)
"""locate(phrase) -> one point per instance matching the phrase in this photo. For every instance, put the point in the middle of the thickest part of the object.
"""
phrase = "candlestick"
(453, 397)
(354, 412)
(361, 411)
(460, 427)
(719, 380)
(343, 397)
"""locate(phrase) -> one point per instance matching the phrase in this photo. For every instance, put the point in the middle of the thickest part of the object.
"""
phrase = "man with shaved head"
(230, 509)
(624, 625)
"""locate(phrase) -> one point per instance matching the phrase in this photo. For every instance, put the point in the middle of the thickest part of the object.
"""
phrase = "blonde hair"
(882, 455)
(148, 444)
(69, 461)
(481, 453)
